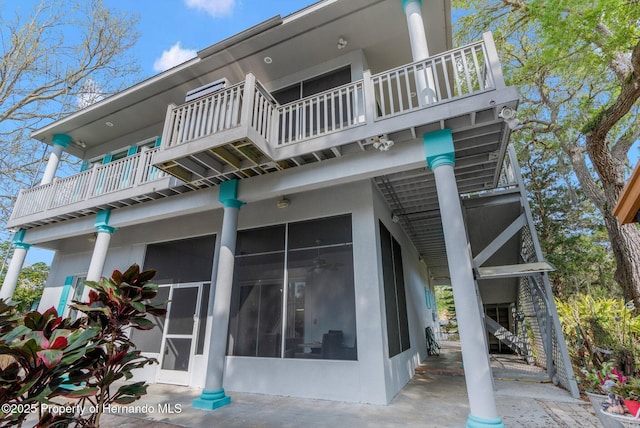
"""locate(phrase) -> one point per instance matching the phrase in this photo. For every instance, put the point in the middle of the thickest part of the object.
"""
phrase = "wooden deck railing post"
(249, 93)
(369, 98)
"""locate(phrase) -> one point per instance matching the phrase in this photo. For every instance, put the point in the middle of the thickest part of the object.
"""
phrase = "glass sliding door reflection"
(321, 319)
(256, 317)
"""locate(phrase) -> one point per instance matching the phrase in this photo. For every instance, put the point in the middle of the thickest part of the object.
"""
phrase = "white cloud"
(215, 8)
(172, 57)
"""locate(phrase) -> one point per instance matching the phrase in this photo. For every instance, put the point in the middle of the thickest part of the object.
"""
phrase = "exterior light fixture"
(509, 116)
(268, 60)
(282, 203)
(81, 144)
(342, 43)
(109, 124)
(382, 143)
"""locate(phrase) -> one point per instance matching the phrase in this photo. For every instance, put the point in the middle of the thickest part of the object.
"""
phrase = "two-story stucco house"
(301, 187)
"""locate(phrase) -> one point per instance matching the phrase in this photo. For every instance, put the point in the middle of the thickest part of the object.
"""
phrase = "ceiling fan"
(319, 264)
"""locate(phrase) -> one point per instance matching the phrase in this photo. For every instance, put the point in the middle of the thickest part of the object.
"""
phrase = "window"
(394, 293)
(314, 311)
(313, 86)
(319, 115)
(121, 153)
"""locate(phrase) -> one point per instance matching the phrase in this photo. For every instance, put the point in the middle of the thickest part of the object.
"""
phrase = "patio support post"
(60, 142)
(419, 50)
(440, 156)
(103, 237)
(17, 261)
(213, 395)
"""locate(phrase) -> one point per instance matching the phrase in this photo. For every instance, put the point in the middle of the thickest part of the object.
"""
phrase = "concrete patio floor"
(435, 397)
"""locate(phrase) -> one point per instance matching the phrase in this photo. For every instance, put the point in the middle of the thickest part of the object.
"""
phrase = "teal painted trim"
(132, 150)
(158, 141)
(406, 2)
(439, 149)
(107, 229)
(107, 159)
(228, 194)
(211, 400)
(85, 166)
(476, 422)
(61, 140)
(102, 218)
(18, 237)
(233, 203)
(64, 297)
(18, 240)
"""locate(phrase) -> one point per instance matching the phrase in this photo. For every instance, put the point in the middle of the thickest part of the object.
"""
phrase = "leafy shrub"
(54, 357)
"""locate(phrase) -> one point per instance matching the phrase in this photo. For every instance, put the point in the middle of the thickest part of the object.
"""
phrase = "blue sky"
(172, 31)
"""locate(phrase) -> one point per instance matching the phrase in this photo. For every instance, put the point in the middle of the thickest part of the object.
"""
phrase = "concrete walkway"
(435, 397)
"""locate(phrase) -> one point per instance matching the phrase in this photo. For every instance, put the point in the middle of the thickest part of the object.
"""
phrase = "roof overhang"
(377, 28)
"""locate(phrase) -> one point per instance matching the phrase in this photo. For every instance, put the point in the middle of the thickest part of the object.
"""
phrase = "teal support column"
(103, 238)
(20, 249)
(60, 142)
(213, 395)
(440, 156)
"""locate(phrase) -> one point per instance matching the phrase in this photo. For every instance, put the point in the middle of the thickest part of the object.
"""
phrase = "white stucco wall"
(373, 378)
(401, 368)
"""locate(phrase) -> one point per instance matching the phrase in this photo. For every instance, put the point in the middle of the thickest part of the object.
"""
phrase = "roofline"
(240, 37)
(38, 134)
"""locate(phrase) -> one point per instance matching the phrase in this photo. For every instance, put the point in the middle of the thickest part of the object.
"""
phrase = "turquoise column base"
(476, 422)
(211, 400)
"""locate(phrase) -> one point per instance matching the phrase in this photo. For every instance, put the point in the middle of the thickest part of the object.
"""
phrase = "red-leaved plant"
(58, 357)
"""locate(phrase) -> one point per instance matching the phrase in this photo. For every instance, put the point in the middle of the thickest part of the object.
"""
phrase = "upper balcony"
(242, 131)
(127, 181)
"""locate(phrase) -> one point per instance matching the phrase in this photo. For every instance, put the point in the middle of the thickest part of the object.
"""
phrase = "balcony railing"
(441, 78)
(452, 75)
(100, 180)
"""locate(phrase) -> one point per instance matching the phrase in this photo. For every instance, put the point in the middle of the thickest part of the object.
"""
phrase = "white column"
(11, 279)
(213, 395)
(222, 301)
(60, 141)
(417, 35)
(477, 371)
(419, 51)
(101, 247)
(477, 367)
(99, 253)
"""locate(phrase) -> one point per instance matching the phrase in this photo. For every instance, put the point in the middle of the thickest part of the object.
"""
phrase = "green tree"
(55, 56)
(577, 65)
(446, 306)
(31, 280)
(569, 228)
(30, 286)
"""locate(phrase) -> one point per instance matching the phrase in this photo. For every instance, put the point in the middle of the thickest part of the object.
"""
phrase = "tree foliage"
(56, 55)
(31, 280)
(600, 330)
(577, 65)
